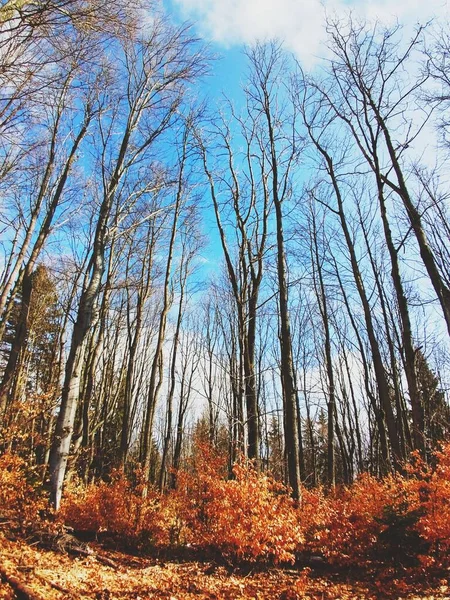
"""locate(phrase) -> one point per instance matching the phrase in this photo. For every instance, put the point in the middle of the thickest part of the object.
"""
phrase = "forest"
(224, 323)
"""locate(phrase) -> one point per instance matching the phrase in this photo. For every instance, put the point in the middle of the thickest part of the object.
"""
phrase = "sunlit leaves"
(249, 518)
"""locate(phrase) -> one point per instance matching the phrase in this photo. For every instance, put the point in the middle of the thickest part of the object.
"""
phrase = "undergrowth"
(250, 518)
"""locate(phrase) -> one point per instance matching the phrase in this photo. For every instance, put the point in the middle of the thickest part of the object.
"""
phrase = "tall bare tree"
(241, 202)
(157, 69)
(280, 151)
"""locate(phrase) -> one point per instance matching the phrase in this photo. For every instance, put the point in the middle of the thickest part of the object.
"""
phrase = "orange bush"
(344, 526)
(432, 491)
(251, 518)
(246, 519)
(18, 496)
(119, 509)
(398, 519)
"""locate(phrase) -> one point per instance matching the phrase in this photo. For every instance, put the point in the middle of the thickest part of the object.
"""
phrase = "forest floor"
(33, 573)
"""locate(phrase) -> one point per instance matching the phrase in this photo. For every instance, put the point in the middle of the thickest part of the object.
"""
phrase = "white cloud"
(300, 23)
(230, 22)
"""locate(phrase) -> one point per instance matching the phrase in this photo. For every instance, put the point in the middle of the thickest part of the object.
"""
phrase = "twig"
(22, 590)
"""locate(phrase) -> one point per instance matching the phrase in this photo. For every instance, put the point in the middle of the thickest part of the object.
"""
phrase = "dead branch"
(21, 589)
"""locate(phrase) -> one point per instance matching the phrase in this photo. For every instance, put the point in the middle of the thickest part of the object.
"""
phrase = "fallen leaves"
(379, 538)
(49, 575)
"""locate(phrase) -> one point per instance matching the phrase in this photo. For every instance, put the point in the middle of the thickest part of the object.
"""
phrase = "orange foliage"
(397, 518)
(251, 518)
(348, 525)
(343, 525)
(18, 496)
(119, 509)
(246, 519)
(431, 488)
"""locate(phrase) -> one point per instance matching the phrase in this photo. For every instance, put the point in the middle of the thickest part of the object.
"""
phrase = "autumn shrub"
(371, 520)
(431, 487)
(118, 509)
(403, 519)
(344, 525)
(20, 493)
(313, 517)
(249, 518)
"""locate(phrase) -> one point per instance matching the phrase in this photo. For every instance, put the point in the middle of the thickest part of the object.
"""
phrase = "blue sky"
(227, 25)
(300, 23)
